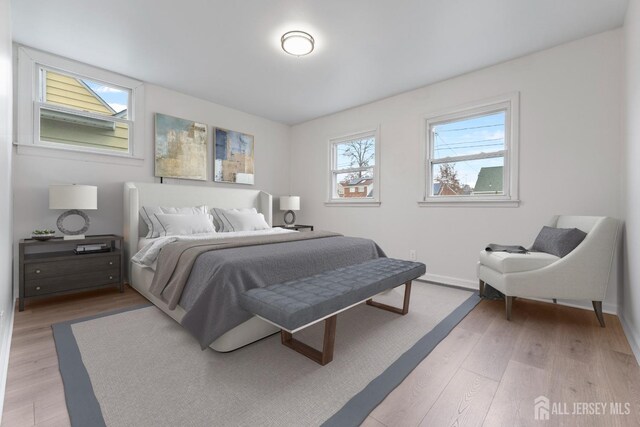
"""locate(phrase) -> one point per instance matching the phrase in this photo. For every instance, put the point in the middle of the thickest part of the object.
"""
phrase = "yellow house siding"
(70, 92)
(75, 134)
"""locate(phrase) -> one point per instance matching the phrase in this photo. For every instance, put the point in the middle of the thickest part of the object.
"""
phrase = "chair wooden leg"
(508, 303)
(481, 288)
(597, 307)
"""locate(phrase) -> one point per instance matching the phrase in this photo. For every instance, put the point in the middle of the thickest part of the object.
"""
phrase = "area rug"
(138, 367)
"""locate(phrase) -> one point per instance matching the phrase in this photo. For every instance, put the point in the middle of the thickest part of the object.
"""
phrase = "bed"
(217, 277)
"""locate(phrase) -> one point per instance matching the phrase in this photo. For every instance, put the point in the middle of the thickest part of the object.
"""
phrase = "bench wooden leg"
(322, 357)
(405, 306)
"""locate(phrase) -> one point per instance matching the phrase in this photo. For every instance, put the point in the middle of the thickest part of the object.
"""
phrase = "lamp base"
(73, 234)
(73, 237)
(292, 221)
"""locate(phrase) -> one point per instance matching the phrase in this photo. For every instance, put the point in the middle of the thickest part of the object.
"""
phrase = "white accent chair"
(583, 274)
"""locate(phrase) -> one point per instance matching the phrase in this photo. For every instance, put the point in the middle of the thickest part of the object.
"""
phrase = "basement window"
(76, 107)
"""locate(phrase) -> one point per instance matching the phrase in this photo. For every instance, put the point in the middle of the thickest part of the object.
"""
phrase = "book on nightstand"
(92, 249)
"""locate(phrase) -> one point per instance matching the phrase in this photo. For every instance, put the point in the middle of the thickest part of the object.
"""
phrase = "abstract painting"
(233, 157)
(181, 148)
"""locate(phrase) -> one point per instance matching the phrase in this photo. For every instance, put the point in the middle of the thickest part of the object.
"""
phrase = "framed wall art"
(233, 157)
(181, 148)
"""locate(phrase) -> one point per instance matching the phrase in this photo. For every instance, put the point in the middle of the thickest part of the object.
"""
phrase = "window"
(75, 107)
(471, 154)
(355, 162)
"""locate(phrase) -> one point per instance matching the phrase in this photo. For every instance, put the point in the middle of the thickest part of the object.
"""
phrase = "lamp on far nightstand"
(73, 197)
(289, 204)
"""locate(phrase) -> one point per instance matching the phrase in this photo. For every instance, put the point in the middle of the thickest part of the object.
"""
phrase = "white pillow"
(222, 223)
(246, 221)
(148, 214)
(179, 224)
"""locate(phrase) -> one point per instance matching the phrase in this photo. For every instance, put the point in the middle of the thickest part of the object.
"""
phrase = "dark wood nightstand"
(296, 227)
(51, 267)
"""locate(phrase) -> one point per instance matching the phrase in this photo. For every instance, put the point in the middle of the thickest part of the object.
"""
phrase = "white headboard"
(137, 194)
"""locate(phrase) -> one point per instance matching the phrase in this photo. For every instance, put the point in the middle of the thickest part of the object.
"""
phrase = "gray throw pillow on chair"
(558, 241)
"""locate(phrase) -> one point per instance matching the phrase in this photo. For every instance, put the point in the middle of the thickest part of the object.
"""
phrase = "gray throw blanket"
(176, 259)
(219, 274)
(513, 249)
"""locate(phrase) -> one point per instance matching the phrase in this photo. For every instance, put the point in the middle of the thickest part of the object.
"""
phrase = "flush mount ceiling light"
(297, 43)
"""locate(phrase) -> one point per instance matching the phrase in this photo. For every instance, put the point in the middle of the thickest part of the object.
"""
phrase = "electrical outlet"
(412, 255)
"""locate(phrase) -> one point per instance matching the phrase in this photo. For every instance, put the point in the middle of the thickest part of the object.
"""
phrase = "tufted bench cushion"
(297, 303)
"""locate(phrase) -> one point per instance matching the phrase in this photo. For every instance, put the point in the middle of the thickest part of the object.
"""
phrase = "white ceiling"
(227, 51)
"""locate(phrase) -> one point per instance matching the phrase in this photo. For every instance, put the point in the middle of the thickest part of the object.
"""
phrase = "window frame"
(32, 64)
(510, 105)
(332, 200)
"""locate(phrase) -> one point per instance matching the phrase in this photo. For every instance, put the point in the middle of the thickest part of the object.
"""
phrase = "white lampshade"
(289, 203)
(73, 197)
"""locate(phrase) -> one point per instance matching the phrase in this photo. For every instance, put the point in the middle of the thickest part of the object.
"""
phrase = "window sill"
(478, 203)
(351, 203)
(71, 154)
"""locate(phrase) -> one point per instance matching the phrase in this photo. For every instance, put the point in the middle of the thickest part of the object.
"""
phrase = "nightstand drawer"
(35, 287)
(82, 264)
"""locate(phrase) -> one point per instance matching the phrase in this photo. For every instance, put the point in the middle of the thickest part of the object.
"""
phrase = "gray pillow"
(558, 241)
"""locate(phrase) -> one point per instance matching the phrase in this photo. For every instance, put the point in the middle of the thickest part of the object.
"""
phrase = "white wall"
(630, 298)
(6, 192)
(34, 173)
(570, 109)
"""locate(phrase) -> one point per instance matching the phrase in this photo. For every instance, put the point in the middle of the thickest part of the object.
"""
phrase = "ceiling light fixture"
(297, 43)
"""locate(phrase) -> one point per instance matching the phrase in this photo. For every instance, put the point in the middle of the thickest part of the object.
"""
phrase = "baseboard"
(5, 348)
(470, 284)
(453, 281)
(632, 336)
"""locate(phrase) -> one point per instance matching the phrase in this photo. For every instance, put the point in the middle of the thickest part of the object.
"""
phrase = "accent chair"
(583, 274)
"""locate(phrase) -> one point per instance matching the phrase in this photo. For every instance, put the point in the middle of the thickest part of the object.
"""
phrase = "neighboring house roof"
(441, 189)
(357, 181)
(489, 180)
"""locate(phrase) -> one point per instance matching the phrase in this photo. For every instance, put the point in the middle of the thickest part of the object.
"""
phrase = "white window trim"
(364, 202)
(30, 61)
(511, 157)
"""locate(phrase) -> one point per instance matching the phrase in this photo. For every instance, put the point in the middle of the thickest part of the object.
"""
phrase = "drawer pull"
(37, 288)
(110, 262)
(38, 271)
(110, 277)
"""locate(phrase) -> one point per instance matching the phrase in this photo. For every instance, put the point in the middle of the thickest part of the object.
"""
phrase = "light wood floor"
(486, 372)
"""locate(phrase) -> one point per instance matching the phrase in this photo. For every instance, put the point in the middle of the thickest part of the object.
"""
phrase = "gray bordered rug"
(137, 366)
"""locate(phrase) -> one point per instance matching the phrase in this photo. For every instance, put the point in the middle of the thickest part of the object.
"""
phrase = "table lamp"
(74, 198)
(289, 204)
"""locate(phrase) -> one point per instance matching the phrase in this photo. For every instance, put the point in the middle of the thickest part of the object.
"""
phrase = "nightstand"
(51, 267)
(296, 227)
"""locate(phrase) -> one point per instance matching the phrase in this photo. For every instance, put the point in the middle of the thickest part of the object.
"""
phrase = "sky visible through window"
(482, 134)
(117, 99)
(350, 154)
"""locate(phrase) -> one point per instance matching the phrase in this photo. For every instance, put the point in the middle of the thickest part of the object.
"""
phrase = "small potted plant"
(43, 234)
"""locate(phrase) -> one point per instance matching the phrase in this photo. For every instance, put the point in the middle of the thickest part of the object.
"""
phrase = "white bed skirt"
(250, 331)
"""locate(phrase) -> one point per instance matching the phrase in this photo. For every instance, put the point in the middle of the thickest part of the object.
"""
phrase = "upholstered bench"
(300, 303)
